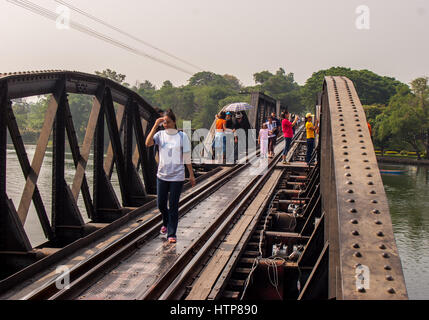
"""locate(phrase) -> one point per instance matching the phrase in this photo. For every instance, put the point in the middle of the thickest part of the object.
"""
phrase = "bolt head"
(391, 290)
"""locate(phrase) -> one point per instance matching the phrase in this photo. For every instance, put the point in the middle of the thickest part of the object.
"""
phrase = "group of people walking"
(224, 146)
(270, 130)
(174, 149)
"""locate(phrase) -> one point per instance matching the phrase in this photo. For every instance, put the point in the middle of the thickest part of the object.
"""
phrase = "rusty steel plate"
(369, 266)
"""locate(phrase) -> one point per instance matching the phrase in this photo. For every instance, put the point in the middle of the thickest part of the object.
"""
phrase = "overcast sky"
(238, 37)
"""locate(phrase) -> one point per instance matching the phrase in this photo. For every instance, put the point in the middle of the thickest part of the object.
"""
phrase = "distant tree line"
(397, 112)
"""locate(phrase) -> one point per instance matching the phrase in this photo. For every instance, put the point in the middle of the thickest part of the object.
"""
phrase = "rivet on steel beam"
(374, 201)
(349, 183)
(356, 246)
(347, 167)
(349, 191)
(342, 125)
(355, 233)
(389, 278)
(368, 168)
(378, 222)
(387, 267)
(351, 201)
(344, 141)
(370, 183)
(358, 254)
(354, 221)
(382, 247)
(346, 153)
(346, 160)
(369, 175)
(348, 174)
(343, 135)
(345, 147)
(361, 289)
(373, 192)
(380, 234)
(391, 290)
(353, 210)
(385, 255)
(376, 211)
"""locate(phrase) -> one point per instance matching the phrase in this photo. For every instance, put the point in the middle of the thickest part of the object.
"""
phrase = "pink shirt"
(287, 128)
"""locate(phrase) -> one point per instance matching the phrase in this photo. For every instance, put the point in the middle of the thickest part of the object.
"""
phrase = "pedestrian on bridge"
(263, 140)
(272, 128)
(219, 142)
(229, 139)
(310, 128)
(287, 133)
(277, 129)
(174, 154)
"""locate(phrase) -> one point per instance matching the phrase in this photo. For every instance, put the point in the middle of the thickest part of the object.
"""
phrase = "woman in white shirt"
(174, 154)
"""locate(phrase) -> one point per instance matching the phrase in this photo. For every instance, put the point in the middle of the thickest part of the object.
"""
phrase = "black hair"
(169, 113)
(222, 115)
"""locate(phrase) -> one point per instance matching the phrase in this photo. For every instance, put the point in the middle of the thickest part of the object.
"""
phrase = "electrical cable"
(84, 13)
(81, 28)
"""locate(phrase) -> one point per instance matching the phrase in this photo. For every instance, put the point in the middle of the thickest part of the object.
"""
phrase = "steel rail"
(168, 285)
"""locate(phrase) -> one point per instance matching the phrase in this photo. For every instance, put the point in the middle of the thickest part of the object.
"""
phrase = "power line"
(84, 13)
(53, 16)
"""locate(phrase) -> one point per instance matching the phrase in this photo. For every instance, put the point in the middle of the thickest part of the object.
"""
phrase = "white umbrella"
(239, 106)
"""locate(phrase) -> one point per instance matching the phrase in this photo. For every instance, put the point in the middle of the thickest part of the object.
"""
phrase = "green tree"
(371, 88)
(281, 86)
(402, 122)
(420, 89)
(113, 75)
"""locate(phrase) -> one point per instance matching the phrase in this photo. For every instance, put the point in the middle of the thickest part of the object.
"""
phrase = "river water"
(408, 196)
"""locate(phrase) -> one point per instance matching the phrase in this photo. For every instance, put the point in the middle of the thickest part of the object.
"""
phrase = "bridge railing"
(363, 258)
(127, 117)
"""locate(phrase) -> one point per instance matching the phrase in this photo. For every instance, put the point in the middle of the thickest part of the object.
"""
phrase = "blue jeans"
(170, 215)
(287, 146)
(310, 148)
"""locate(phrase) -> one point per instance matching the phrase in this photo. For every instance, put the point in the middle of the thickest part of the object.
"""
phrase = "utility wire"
(84, 13)
(28, 5)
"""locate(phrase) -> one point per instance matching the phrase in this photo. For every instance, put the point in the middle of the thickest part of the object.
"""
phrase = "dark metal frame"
(134, 114)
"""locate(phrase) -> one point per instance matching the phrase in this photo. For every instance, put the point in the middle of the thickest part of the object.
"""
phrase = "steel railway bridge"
(293, 232)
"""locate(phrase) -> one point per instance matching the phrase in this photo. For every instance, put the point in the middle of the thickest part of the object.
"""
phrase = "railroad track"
(226, 273)
(88, 271)
(171, 285)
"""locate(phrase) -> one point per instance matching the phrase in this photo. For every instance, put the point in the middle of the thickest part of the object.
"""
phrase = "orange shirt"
(220, 123)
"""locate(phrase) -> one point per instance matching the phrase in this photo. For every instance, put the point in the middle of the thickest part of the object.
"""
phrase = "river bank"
(405, 161)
